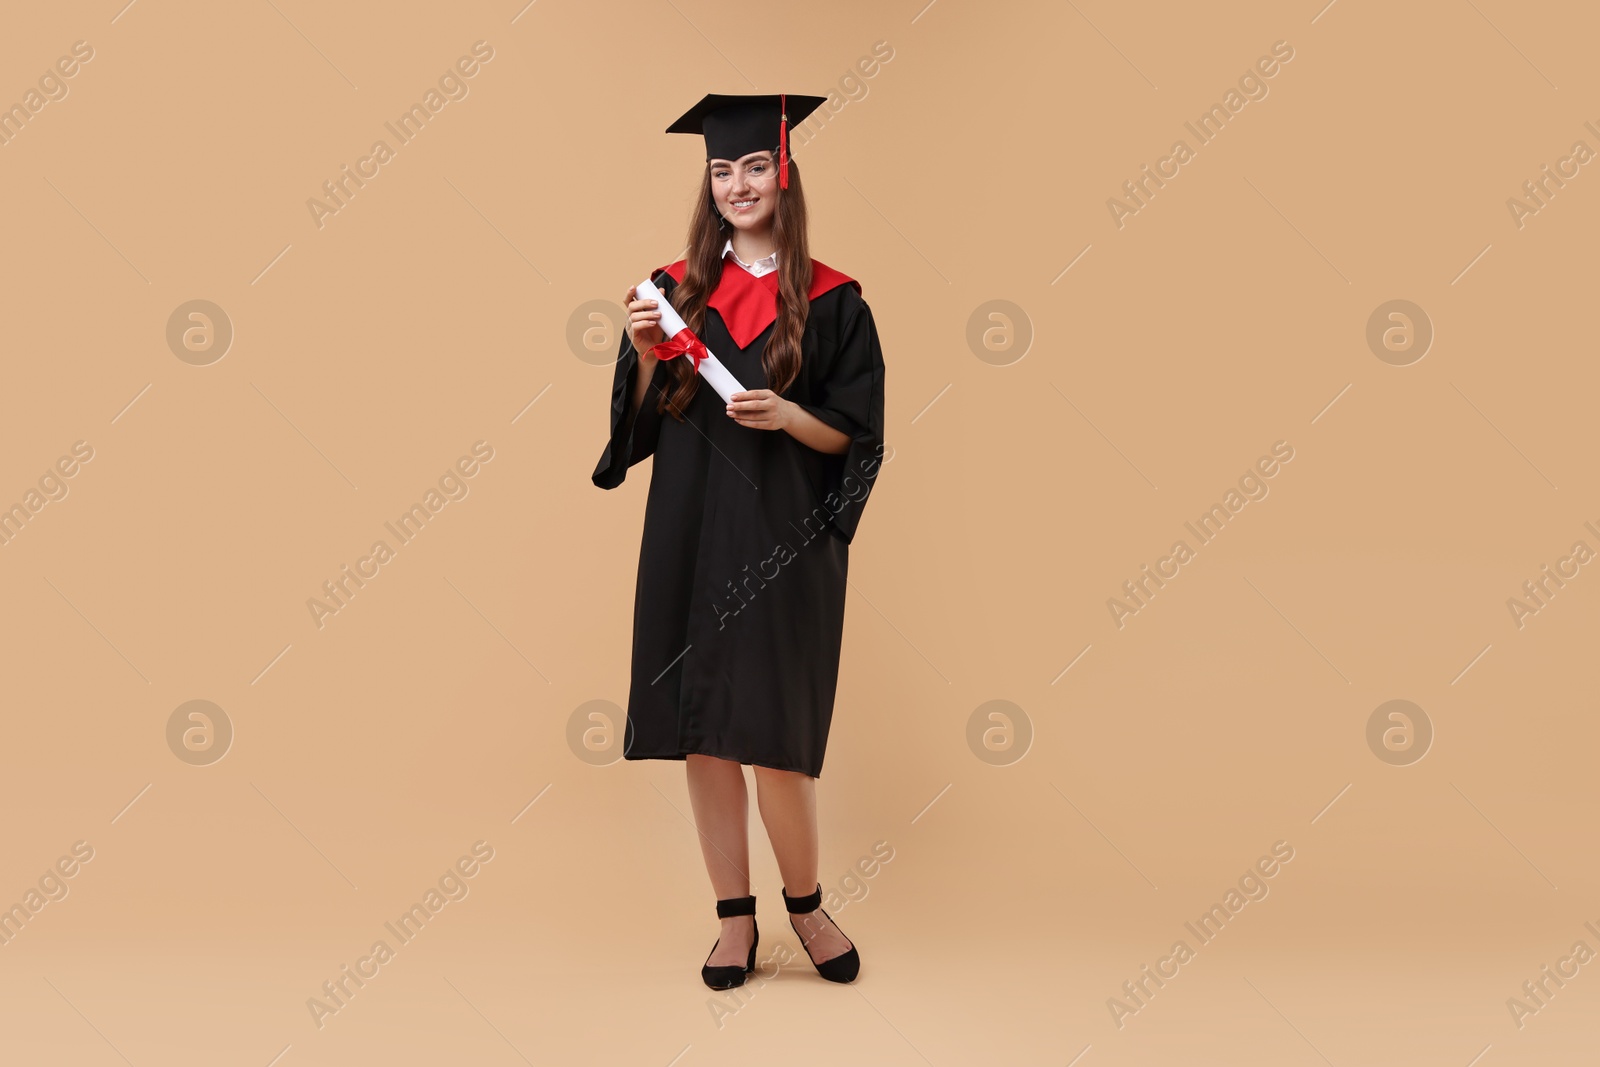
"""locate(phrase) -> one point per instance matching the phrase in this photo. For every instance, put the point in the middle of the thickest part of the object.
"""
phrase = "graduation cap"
(735, 126)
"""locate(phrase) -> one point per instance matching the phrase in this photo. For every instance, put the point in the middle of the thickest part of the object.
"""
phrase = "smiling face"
(746, 191)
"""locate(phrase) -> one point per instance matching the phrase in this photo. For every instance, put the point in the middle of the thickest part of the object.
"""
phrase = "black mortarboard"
(735, 126)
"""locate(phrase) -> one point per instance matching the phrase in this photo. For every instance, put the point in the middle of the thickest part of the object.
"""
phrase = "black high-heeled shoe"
(730, 975)
(841, 968)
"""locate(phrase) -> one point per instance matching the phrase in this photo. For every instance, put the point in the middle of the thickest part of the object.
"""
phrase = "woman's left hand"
(761, 409)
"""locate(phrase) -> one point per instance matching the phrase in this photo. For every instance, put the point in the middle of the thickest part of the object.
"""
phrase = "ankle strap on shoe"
(803, 905)
(731, 906)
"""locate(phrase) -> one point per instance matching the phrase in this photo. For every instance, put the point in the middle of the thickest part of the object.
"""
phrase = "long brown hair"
(703, 269)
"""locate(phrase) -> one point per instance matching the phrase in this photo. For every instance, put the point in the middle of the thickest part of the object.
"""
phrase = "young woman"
(753, 503)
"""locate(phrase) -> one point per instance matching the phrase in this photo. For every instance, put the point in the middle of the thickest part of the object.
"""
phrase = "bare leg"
(721, 814)
(788, 804)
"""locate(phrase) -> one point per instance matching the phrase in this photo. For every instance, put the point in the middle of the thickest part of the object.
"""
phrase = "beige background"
(975, 165)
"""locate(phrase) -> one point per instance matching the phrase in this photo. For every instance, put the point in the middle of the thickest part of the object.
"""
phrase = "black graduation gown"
(739, 601)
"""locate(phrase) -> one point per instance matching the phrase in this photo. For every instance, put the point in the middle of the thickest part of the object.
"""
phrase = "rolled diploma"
(711, 368)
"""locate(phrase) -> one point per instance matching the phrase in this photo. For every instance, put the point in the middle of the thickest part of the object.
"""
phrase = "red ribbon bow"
(683, 342)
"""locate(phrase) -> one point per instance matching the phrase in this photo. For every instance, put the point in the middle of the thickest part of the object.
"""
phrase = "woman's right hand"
(644, 325)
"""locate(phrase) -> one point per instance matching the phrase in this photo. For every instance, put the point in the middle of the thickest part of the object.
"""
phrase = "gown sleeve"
(850, 399)
(633, 435)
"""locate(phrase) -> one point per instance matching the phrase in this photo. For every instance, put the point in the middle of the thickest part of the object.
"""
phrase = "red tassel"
(783, 141)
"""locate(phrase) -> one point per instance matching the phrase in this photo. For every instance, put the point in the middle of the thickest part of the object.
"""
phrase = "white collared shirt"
(761, 266)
